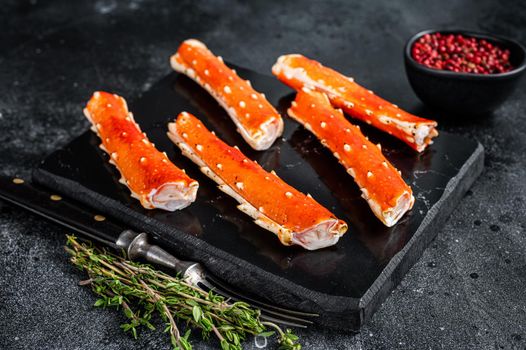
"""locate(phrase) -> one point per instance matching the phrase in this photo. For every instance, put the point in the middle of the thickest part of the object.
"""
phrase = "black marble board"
(346, 283)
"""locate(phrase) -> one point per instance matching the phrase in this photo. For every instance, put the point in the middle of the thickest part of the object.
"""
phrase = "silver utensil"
(112, 234)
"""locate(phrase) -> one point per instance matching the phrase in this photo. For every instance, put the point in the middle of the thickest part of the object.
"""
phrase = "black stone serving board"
(346, 283)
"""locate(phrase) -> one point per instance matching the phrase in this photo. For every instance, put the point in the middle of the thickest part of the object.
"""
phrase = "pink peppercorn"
(459, 53)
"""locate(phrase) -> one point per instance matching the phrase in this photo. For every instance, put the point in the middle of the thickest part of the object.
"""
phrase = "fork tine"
(282, 322)
(266, 315)
(262, 305)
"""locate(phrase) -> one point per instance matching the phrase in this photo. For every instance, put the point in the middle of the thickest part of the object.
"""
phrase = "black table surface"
(467, 291)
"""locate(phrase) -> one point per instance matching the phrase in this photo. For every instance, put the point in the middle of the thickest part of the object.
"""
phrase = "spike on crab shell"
(288, 194)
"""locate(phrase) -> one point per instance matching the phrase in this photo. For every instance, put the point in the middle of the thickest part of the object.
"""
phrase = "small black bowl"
(464, 93)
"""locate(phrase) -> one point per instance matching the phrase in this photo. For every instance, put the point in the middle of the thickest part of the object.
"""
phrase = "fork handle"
(137, 246)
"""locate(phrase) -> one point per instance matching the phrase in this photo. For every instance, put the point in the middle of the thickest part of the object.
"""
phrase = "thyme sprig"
(141, 291)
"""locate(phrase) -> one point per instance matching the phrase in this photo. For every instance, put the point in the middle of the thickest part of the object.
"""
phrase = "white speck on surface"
(105, 6)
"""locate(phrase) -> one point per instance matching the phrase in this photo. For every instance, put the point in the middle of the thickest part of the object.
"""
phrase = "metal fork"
(136, 246)
(112, 234)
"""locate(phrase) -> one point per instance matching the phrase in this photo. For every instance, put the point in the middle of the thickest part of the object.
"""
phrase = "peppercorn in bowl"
(463, 72)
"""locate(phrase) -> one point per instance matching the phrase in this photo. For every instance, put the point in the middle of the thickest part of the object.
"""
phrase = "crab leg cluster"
(148, 173)
(381, 184)
(298, 71)
(294, 217)
(256, 119)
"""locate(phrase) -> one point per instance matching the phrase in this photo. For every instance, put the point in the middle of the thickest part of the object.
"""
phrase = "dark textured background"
(467, 291)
